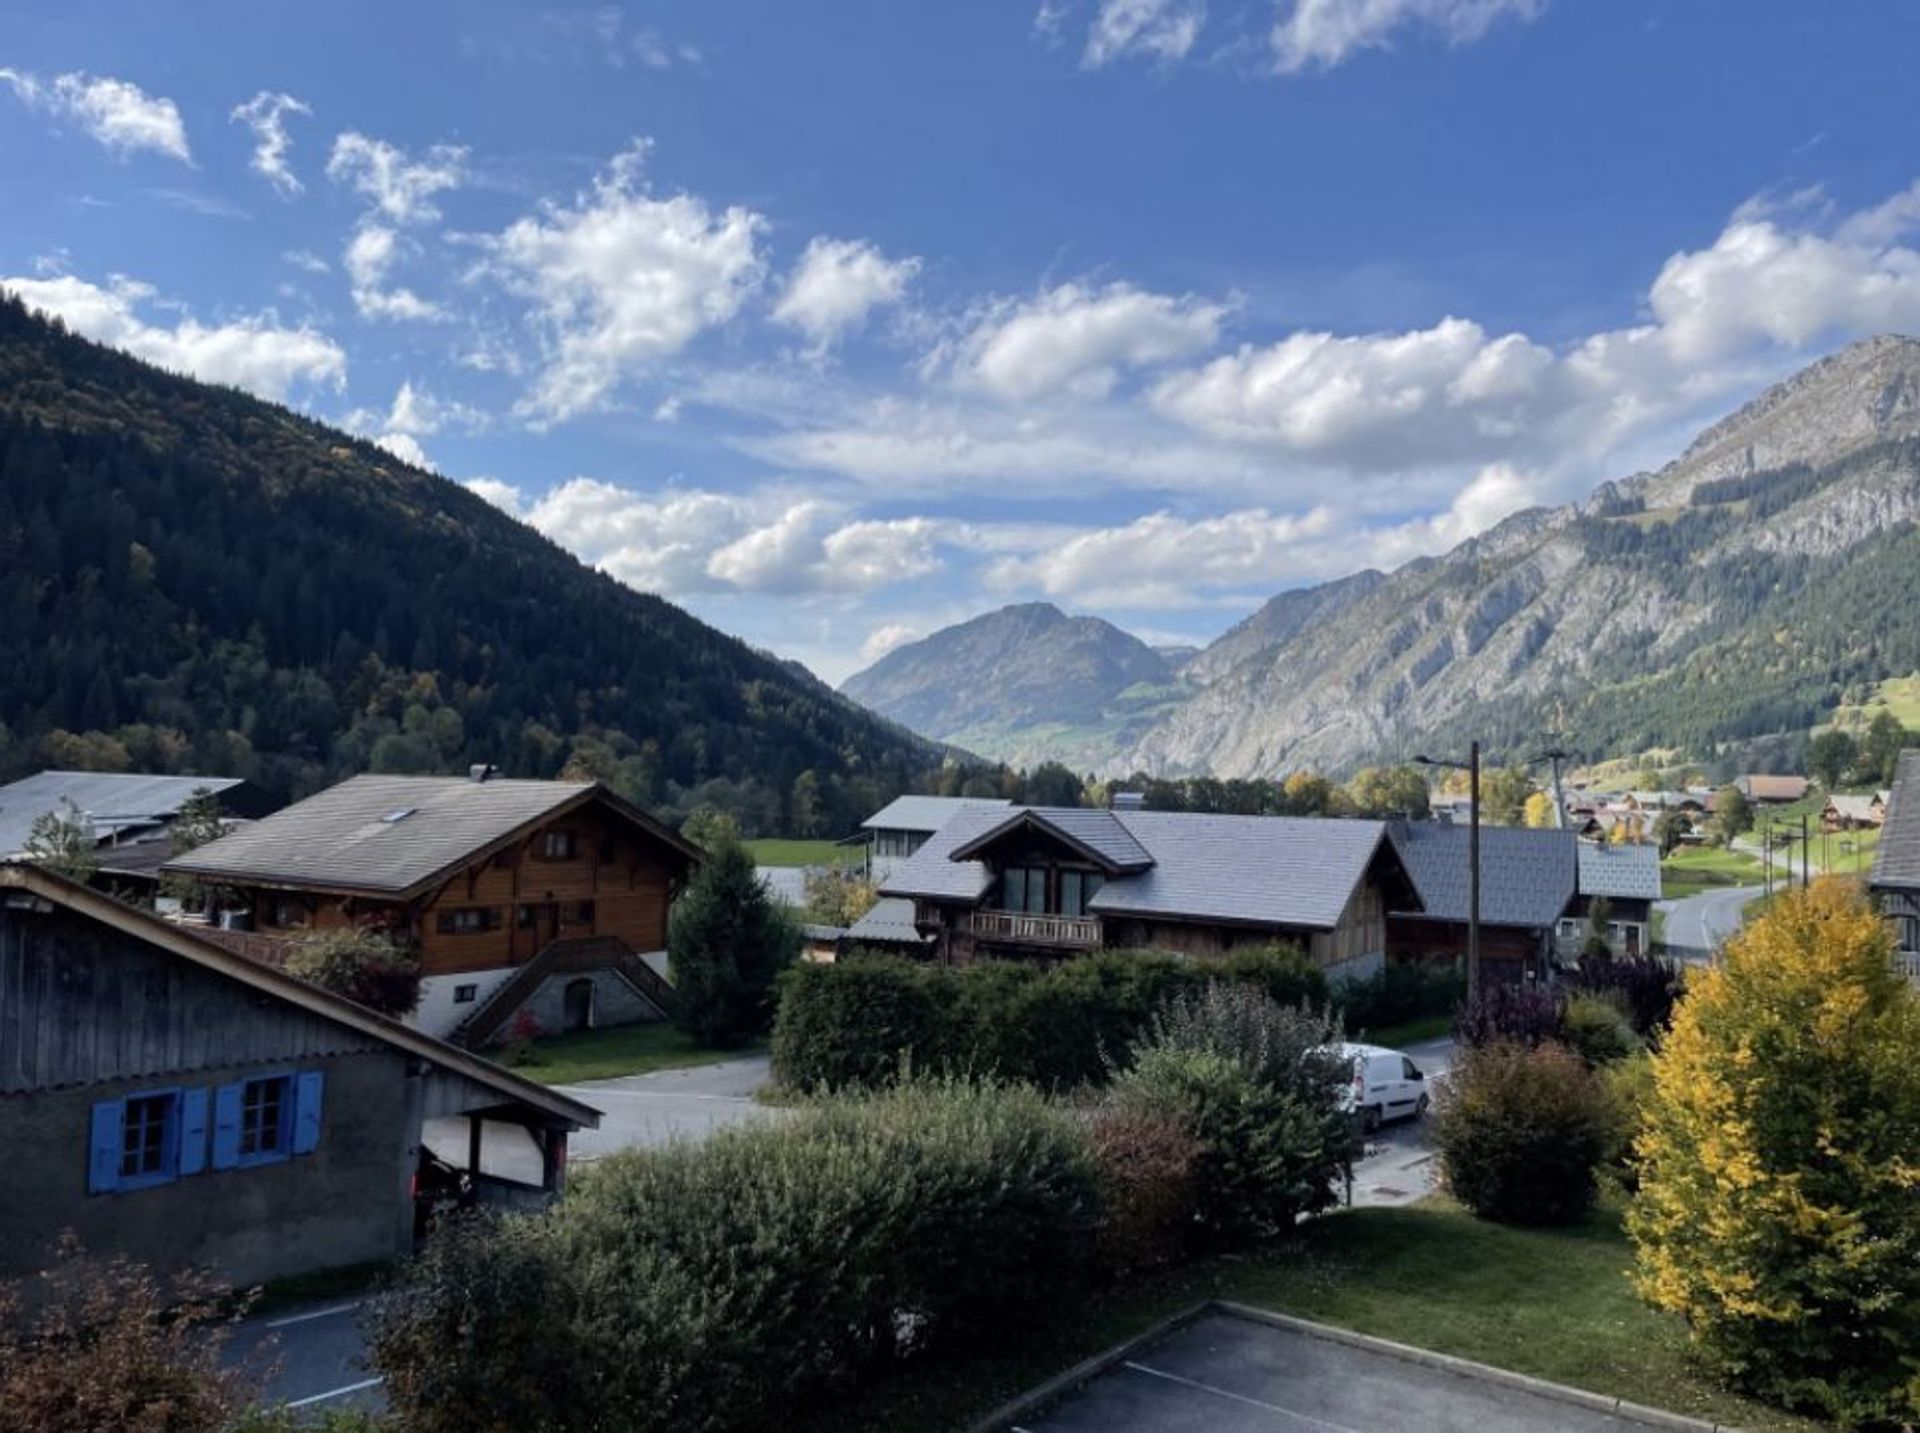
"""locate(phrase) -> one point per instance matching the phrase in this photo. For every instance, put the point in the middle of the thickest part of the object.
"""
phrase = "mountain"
(1025, 684)
(1745, 589)
(192, 579)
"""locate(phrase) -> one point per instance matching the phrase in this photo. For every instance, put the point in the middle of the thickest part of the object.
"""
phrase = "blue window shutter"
(311, 1087)
(193, 1130)
(103, 1156)
(226, 1127)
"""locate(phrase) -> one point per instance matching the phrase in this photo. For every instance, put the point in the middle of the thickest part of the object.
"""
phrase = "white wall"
(436, 1013)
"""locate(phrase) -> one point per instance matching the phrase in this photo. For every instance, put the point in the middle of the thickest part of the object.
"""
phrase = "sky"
(838, 323)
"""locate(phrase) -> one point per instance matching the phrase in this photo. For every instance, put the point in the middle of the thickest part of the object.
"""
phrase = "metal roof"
(1526, 876)
(187, 944)
(392, 834)
(1897, 862)
(1854, 808)
(927, 813)
(1100, 834)
(1621, 871)
(890, 922)
(116, 801)
(1253, 870)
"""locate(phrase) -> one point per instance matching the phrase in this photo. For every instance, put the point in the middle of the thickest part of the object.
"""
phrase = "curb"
(1009, 1415)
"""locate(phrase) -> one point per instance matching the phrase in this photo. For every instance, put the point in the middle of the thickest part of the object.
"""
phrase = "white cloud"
(266, 115)
(406, 448)
(307, 261)
(414, 414)
(836, 284)
(884, 638)
(622, 279)
(1161, 29)
(1078, 340)
(370, 254)
(504, 496)
(402, 189)
(255, 352)
(120, 115)
(1319, 34)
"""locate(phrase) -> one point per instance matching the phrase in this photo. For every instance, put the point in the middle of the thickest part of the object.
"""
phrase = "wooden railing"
(1028, 928)
(1907, 962)
(254, 945)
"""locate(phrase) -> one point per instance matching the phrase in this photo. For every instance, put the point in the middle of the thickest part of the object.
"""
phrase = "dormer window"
(556, 846)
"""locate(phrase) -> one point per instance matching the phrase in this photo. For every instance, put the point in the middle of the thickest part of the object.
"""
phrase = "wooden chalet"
(1895, 881)
(1528, 888)
(539, 896)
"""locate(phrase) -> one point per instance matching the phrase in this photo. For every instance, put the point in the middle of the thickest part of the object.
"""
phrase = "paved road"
(1697, 924)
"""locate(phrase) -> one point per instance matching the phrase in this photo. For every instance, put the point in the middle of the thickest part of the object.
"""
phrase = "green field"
(788, 851)
(1899, 695)
(1556, 1304)
(622, 1050)
(1693, 869)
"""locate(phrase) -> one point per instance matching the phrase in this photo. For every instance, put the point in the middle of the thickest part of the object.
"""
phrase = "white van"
(1386, 1086)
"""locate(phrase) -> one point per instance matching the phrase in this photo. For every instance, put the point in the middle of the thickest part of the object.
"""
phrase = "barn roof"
(115, 801)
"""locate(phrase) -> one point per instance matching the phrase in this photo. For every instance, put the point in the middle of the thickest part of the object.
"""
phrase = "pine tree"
(727, 945)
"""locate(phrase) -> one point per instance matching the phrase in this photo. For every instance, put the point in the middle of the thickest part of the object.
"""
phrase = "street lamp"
(1472, 767)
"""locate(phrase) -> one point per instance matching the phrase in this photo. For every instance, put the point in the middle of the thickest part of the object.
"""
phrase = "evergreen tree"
(727, 945)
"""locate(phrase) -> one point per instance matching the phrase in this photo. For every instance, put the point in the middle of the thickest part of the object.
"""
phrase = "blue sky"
(838, 323)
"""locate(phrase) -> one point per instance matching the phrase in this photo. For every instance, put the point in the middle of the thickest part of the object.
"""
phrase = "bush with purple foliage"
(1521, 1014)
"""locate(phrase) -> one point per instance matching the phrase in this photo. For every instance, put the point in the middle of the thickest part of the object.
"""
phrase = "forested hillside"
(195, 580)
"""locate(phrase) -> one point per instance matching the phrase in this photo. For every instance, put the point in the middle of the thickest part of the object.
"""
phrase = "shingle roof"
(1526, 876)
(927, 813)
(890, 922)
(1773, 788)
(1852, 808)
(1897, 862)
(1102, 834)
(117, 801)
(354, 837)
(1626, 872)
(1253, 870)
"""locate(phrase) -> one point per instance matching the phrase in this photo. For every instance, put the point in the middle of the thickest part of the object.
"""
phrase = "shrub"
(1259, 1088)
(1645, 986)
(712, 1286)
(1629, 1087)
(1396, 993)
(1520, 1131)
(1507, 1014)
(1149, 1188)
(368, 967)
(1597, 1031)
(1777, 1210)
(108, 1347)
(855, 1026)
(1285, 973)
(726, 945)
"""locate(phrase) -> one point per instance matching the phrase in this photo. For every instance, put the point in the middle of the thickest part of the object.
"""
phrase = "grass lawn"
(780, 851)
(1693, 869)
(1846, 853)
(1552, 1303)
(621, 1050)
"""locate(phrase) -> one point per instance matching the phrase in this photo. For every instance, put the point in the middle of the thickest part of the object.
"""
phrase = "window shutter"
(193, 1130)
(226, 1127)
(311, 1085)
(103, 1155)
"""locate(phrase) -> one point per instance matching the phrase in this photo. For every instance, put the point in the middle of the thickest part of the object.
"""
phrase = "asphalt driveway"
(1224, 1373)
(649, 1110)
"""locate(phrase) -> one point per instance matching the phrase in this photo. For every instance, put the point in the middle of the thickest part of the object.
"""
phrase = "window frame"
(288, 1111)
(449, 921)
(466, 993)
(563, 836)
(169, 1169)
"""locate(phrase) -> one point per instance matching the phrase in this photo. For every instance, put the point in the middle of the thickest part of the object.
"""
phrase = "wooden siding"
(81, 1003)
(1362, 929)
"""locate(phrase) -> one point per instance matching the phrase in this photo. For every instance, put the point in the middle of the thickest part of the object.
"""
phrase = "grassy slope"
(622, 1050)
(1553, 1303)
(783, 851)
(1693, 869)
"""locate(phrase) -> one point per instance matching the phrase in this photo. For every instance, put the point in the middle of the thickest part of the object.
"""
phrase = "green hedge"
(863, 1021)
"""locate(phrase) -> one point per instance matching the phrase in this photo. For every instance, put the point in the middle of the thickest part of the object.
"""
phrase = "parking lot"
(1223, 1373)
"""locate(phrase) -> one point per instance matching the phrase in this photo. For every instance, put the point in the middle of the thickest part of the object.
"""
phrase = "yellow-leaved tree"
(1539, 810)
(1779, 1163)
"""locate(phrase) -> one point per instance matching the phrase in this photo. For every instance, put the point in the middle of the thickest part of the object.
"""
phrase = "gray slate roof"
(1100, 832)
(1897, 863)
(1253, 870)
(927, 813)
(890, 922)
(1628, 872)
(1526, 876)
(338, 839)
(117, 801)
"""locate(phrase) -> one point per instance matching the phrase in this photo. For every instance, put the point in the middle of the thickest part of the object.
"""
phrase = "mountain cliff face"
(1025, 684)
(1742, 590)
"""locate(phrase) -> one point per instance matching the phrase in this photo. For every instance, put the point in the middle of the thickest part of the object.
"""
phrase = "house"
(542, 896)
(176, 1103)
(888, 926)
(901, 827)
(1527, 885)
(131, 816)
(1772, 790)
(1627, 877)
(1896, 865)
(1852, 813)
(1027, 882)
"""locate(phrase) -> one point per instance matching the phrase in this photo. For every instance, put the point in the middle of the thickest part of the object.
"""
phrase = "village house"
(1047, 882)
(1527, 886)
(1895, 881)
(900, 828)
(1854, 813)
(1772, 790)
(171, 1101)
(544, 896)
(1626, 876)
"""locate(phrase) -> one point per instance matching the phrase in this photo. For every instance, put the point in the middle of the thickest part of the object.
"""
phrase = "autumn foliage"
(1779, 1163)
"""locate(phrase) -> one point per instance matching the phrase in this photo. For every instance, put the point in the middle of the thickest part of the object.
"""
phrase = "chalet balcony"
(1029, 928)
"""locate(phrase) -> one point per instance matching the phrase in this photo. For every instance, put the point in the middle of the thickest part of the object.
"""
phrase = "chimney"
(1127, 801)
(479, 771)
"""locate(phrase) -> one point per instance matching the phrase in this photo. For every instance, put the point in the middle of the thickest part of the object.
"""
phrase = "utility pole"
(1472, 767)
(1556, 755)
(1806, 852)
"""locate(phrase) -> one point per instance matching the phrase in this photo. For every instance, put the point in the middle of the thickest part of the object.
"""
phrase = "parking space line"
(281, 1323)
(314, 1398)
(1200, 1387)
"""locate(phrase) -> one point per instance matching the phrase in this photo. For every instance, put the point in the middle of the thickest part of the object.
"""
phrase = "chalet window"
(468, 920)
(465, 994)
(146, 1139)
(1910, 933)
(1076, 889)
(287, 911)
(148, 1136)
(556, 845)
(266, 1119)
(1023, 888)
